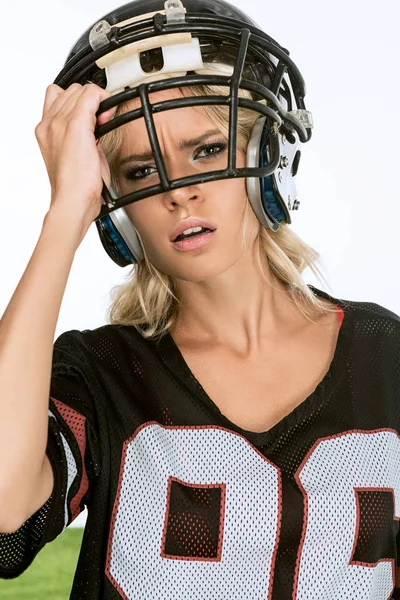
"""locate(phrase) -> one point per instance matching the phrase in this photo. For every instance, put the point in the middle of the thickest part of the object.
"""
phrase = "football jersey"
(185, 504)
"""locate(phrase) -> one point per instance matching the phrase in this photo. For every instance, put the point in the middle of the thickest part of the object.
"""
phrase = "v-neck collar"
(174, 359)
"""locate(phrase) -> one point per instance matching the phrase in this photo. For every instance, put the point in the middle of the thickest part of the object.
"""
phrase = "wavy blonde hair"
(148, 297)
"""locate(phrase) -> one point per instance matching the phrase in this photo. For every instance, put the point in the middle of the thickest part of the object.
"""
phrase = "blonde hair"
(148, 298)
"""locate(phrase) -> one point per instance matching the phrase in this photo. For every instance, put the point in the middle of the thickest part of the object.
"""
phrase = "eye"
(134, 173)
(212, 150)
(217, 147)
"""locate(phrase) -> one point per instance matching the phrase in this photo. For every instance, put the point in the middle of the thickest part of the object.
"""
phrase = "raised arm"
(76, 167)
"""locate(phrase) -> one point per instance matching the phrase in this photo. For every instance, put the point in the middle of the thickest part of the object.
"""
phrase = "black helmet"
(151, 45)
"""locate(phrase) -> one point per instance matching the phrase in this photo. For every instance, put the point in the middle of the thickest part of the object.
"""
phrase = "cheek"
(233, 197)
(147, 226)
(138, 217)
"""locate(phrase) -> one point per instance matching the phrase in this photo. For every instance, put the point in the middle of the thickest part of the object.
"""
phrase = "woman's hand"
(76, 164)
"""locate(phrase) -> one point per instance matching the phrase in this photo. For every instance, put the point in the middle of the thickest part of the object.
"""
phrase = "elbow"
(10, 516)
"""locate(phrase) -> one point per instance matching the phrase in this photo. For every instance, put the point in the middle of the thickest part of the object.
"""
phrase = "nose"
(181, 196)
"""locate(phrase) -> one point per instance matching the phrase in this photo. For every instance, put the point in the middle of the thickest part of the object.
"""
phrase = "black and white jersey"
(184, 504)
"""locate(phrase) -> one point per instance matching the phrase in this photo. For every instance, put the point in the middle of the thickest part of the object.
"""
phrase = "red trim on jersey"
(340, 314)
(76, 423)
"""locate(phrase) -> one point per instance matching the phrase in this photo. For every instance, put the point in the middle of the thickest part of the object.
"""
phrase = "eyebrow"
(182, 145)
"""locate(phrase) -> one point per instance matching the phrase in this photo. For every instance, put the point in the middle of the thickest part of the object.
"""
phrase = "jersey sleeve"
(73, 449)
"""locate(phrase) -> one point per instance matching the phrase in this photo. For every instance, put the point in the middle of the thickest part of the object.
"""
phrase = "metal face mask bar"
(112, 38)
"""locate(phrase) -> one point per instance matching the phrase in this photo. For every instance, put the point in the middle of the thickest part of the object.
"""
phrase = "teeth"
(192, 230)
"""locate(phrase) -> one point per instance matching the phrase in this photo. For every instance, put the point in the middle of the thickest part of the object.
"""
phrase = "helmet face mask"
(148, 46)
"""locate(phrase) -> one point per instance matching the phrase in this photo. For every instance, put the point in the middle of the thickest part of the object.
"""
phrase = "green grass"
(51, 574)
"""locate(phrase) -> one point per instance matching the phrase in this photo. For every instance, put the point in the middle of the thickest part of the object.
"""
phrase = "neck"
(243, 308)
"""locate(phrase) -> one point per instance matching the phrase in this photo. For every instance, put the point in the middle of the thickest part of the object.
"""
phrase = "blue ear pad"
(119, 238)
(260, 190)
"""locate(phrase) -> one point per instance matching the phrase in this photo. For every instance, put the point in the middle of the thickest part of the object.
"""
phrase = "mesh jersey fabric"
(184, 504)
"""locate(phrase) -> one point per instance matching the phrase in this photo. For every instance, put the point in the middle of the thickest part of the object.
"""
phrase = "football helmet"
(147, 46)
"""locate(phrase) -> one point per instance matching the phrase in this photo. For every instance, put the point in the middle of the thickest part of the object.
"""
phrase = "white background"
(348, 51)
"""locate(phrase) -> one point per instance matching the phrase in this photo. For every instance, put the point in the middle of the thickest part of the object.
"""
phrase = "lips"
(189, 223)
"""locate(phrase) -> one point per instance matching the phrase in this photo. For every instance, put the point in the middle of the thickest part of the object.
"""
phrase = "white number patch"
(250, 515)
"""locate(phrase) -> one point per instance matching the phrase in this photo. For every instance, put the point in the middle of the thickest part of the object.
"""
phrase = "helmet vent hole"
(152, 60)
(296, 163)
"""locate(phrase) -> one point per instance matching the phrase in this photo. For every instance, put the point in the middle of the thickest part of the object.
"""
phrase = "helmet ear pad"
(119, 237)
(260, 190)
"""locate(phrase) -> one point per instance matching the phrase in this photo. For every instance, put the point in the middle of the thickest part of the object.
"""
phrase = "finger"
(92, 96)
(53, 91)
(59, 97)
(106, 116)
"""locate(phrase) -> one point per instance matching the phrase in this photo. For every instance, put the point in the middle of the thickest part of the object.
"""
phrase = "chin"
(196, 266)
(198, 271)
(191, 274)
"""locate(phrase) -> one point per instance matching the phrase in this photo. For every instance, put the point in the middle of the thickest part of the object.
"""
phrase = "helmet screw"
(284, 162)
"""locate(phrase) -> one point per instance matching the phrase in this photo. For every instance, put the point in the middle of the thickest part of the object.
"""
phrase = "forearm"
(27, 330)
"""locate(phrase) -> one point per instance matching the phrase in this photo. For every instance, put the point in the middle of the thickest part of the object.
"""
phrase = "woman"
(232, 431)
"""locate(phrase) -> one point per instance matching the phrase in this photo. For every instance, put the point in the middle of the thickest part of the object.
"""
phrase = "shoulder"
(365, 322)
(359, 308)
(101, 342)
(364, 309)
(374, 330)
